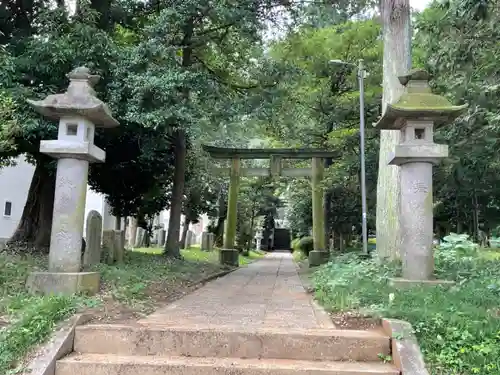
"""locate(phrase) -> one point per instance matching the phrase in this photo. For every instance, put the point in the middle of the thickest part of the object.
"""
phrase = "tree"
(193, 51)
(396, 61)
(44, 44)
(456, 42)
(317, 105)
(200, 195)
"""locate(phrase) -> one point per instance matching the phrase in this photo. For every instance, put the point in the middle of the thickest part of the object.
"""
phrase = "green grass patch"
(252, 255)
(196, 255)
(458, 328)
(145, 280)
(25, 320)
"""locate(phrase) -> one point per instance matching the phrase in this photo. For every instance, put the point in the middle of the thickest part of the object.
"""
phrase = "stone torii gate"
(228, 254)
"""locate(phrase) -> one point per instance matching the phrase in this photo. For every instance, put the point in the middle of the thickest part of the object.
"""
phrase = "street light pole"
(361, 80)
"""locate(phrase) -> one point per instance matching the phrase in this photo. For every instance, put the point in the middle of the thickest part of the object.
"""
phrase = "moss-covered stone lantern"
(79, 112)
(416, 114)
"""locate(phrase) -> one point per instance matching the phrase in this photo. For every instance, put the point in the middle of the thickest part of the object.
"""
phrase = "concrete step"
(311, 345)
(102, 364)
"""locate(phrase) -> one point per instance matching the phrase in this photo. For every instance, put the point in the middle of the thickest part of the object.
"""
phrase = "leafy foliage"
(456, 42)
(458, 330)
(317, 105)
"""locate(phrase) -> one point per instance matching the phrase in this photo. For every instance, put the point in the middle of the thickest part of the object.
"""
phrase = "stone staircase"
(153, 349)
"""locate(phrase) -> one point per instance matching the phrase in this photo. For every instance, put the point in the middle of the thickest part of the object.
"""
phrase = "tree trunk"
(36, 221)
(174, 226)
(146, 239)
(118, 223)
(219, 231)
(475, 217)
(341, 242)
(396, 61)
(184, 234)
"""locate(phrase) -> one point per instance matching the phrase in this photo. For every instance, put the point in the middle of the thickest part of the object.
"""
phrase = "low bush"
(306, 245)
(458, 328)
(296, 244)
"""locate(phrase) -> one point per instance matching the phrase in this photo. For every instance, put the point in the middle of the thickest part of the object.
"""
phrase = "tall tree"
(396, 28)
(44, 44)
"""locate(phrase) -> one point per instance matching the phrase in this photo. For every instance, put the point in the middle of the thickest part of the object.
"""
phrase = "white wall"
(15, 182)
(14, 186)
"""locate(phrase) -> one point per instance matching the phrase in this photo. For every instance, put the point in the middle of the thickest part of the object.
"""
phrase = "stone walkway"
(266, 294)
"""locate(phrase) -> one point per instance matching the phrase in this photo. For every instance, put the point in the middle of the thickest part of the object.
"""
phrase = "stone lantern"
(79, 112)
(416, 115)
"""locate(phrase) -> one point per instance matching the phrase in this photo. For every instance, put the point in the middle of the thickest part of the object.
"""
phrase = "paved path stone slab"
(266, 293)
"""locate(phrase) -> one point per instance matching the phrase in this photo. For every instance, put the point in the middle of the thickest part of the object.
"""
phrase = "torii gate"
(228, 254)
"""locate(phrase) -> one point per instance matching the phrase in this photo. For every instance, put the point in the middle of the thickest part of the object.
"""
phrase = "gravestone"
(92, 255)
(79, 112)
(162, 236)
(119, 245)
(207, 241)
(139, 237)
(108, 246)
(190, 238)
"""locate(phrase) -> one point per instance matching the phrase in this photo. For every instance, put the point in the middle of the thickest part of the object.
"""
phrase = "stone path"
(266, 294)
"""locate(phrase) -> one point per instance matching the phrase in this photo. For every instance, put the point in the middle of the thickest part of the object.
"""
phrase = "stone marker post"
(204, 241)
(229, 255)
(415, 115)
(79, 111)
(319, 255)
(162, 237)
(190, 239)
(139, 237)
(93, 235)
(258, 239)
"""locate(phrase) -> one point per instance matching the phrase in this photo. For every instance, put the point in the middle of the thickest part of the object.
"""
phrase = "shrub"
(296, 244)
(306, 245)
(458, 328)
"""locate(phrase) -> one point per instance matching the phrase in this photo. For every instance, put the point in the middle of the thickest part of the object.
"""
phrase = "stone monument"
(161, 237)
(93, 235)
(416, 114)
(78, 111)
(207, 241)
(190, 238)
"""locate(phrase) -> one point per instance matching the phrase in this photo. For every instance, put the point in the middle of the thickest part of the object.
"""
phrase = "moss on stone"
(424, 101)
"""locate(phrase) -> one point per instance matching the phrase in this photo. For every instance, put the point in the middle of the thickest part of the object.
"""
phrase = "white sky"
(419, 4)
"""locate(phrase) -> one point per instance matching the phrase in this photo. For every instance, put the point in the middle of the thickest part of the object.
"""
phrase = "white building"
(14, 186)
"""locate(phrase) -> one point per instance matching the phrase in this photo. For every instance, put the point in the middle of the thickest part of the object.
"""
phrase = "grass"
(144, 281)
(196, 255)
(25, 320)
(458, 328)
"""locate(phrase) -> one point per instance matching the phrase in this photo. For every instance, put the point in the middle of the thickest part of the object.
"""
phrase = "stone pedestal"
(417, 221)
(69, 214)
(78, 112)
(63, 283)
(318, 257)
(229, 257)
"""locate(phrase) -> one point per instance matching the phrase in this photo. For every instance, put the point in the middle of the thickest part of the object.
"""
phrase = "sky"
(419, 4)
